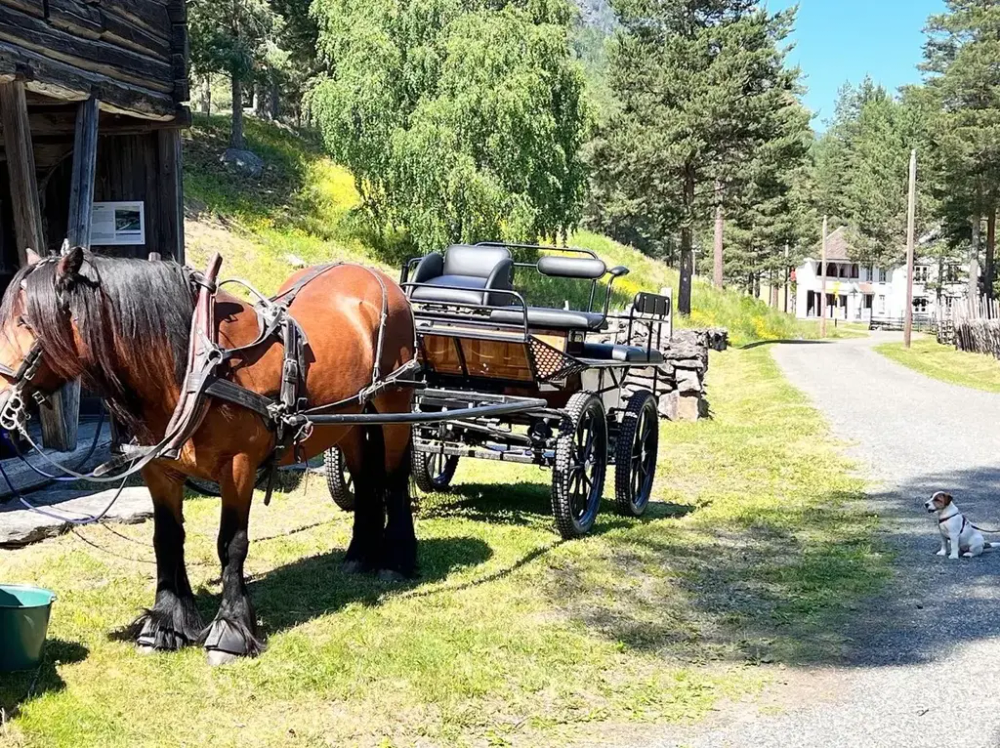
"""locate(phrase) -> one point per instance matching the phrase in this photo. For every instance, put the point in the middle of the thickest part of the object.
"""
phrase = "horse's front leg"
(173, 621)
(233, 633)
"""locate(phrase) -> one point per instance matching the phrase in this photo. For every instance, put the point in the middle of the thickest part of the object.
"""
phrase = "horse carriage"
(400, 378)
(481, 344)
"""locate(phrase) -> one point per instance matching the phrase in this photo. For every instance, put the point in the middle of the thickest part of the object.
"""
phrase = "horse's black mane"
(134, 317)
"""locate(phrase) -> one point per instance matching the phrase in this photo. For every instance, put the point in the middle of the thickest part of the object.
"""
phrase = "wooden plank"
(55, 121)
(76, 17)
(150, 15)
(171, 193)
(60, 80)
(21, 168)
(87, 54)
(121, 31)
(81, 195)
(33, 7)
(60, 422)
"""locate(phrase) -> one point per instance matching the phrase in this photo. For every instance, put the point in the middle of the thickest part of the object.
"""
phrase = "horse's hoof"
(217, 657)
(389, 575)
(353, 567)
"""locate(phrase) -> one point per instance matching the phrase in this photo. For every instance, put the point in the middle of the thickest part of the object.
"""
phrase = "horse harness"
(287, 415)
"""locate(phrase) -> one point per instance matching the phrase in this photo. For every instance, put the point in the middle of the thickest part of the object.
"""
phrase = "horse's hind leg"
(173, 621)
(399, 556)
(233, 633)
(363, 450)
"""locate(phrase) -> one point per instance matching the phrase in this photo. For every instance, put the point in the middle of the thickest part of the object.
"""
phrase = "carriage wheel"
(433, 471)
(581, 462)
(635, 454)
(338, 479)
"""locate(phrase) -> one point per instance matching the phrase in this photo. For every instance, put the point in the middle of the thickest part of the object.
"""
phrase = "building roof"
(837, 248)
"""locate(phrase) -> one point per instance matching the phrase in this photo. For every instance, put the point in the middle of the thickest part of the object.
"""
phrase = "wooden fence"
(976, 326)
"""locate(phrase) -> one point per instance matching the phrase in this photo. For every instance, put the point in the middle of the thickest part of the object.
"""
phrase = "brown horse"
(122, 327)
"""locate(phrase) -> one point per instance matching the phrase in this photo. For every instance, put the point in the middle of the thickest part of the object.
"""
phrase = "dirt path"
(923, 669)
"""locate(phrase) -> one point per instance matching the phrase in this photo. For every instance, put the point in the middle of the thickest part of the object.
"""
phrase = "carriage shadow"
(311, 587)
(529, 505)
(16, 689)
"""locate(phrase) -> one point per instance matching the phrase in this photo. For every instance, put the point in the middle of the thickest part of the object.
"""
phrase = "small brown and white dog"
(956, 531)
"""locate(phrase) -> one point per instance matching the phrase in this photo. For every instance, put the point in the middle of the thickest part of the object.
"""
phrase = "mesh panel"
(552, 363)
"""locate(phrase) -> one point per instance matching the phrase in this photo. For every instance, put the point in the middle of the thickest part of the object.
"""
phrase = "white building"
(858, 293)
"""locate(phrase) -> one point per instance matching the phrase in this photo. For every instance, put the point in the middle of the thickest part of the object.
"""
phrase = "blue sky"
(837, 41)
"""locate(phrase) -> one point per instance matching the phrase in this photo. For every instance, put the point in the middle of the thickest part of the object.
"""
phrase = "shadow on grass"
(796, 341)
(779, 585)
(528, 504)
(316, 586)
(18, 688)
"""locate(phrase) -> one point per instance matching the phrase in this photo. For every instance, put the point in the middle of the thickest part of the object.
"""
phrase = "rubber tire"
(625, 503)
(568, 525)
(423, 473)
(341, 491)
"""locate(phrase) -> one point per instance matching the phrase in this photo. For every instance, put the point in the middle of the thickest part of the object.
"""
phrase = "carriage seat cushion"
(469, 270)
(628, 353)
(553, 319)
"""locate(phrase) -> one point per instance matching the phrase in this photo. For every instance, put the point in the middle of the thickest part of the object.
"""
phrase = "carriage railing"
(444, 310)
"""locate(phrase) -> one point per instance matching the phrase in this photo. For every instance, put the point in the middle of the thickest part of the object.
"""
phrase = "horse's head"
(39, 341)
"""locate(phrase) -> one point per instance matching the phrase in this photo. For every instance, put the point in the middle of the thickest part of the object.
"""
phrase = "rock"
(688, 408)
(247, 162)
(295, 261)
(688, 382)
(667, 405)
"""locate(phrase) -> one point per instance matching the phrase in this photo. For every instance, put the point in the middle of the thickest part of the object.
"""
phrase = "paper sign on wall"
(118, 223)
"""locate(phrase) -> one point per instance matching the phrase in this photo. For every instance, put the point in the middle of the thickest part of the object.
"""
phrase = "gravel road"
(924, 667)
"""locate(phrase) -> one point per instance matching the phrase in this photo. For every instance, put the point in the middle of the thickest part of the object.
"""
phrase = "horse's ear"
(64, 249)
(32, 257)
(68, 268)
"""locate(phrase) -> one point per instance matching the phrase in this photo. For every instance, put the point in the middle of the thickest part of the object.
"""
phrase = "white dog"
(956, 530)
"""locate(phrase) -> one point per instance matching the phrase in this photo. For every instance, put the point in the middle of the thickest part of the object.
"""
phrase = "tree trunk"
(275, 103)
(773, 281)
(977, 224)
(236, 136)
(687, 246)
(991, 243)
(206, 96)
(720, 225)
(261, 105)
(756, 284)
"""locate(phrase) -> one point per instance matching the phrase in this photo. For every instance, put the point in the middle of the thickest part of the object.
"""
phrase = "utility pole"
(786, 278)
(822, 283)
(720, 223)
(911, 227)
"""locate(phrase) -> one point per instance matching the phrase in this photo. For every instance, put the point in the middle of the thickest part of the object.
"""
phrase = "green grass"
(809, 329)
(975, 370)
(751, 553)
(306, 205)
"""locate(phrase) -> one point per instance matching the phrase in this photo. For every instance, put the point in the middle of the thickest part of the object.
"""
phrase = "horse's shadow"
(315, 586)
(18, 688)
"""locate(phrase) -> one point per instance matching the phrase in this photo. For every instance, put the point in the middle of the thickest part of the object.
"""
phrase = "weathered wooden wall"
(131, 55)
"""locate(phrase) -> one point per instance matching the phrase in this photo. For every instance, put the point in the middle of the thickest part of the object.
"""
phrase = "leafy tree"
(232, 37)
(703, 85)
(961, 54)
(460, 119)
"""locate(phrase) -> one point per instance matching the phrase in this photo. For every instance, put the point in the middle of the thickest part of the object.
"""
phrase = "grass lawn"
(976, 370)
(747, 557)
(810, 330)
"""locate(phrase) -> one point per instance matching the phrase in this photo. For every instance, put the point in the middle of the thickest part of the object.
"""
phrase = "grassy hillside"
(304, 206)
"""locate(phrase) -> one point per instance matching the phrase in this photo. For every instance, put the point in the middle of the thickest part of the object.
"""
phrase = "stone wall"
(680, 380)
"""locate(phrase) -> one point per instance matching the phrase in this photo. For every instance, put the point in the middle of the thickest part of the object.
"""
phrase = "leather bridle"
(14, 413)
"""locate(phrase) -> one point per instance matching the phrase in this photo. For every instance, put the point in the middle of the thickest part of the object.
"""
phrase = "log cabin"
(92, 103)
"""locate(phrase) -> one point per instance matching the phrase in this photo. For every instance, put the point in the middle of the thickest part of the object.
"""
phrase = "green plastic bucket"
(24, 618)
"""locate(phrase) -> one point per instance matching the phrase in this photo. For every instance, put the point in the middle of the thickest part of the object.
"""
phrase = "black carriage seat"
(551, 319)
(470, 271)
(627, 353)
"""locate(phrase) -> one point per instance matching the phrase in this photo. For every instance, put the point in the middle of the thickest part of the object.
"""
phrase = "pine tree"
(961, 55)
(702, 84)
